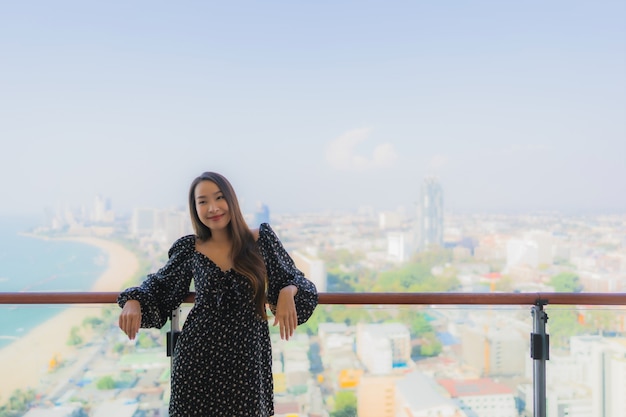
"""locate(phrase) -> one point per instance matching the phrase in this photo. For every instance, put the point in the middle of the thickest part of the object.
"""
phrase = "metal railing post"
(172, 335)
(539, 352)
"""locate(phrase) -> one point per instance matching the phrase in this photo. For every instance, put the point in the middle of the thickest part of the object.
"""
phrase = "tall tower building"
(103, 210)
(430, 214)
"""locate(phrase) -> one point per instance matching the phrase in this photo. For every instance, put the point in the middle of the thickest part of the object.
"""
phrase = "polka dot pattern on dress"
(223, 357)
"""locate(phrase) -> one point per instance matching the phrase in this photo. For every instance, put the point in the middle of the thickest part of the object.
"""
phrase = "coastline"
(26, 360)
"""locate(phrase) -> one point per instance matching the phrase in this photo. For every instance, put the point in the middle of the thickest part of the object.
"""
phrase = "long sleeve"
(281, 272)
(163, 291)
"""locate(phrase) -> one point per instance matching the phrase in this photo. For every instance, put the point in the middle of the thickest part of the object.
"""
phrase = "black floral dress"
(223, 357)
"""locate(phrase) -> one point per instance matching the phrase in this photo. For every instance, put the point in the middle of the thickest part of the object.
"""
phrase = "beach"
(25, 362)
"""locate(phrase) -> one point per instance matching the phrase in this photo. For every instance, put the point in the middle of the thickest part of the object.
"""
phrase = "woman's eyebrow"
(198, 197)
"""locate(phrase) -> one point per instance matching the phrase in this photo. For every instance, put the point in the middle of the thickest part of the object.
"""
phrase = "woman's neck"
(221, 237)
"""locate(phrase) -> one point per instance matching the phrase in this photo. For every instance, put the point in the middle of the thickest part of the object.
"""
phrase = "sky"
(314, 105)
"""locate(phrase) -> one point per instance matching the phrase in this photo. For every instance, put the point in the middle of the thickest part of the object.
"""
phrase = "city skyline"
(590, 254)
(310, 107)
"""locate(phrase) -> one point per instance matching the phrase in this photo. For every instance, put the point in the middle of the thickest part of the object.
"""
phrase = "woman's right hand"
(130, 318)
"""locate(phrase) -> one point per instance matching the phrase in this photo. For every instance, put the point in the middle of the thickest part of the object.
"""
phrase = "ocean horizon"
(28, 263)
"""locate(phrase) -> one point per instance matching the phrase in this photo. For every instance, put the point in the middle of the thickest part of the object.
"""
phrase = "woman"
(223, 357)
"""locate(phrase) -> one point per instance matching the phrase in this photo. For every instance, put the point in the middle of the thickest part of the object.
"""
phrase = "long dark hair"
(246, 257)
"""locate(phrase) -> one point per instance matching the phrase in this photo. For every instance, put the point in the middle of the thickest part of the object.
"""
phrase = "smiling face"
(211, 205)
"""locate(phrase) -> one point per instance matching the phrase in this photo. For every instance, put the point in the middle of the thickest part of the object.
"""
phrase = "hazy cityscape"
(474, 147)
(375, 361)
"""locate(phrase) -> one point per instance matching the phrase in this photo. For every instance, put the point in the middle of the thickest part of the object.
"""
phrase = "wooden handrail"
(355, 298)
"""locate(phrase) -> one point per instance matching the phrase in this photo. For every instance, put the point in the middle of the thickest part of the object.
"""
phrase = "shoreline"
(27, 359)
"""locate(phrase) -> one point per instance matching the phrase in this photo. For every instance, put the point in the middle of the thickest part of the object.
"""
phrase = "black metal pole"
(172, 335)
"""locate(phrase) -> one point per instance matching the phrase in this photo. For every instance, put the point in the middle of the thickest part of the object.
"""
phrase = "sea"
(33, 264)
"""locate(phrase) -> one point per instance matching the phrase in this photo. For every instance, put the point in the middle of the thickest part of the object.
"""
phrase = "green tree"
(417, 322)
(320, 315)
(432, 346)
(412, 277)
(348, 411)
(105, 383)
(566, 282)
(602, 320)
(119, 347)
(416, 276)
(416, 351)
(562, 324)
(345, 404)
(345, 314)
(341, 281)
(366, 280)
(433, 256)
(18, 403)
(93, 322)
(145, 341)
(74, 338)
(341, 258)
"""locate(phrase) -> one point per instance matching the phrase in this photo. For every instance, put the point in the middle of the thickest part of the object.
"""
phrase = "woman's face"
(211, 205)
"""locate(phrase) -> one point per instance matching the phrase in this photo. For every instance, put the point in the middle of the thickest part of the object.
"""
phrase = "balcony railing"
(530, 299)
(536, 302)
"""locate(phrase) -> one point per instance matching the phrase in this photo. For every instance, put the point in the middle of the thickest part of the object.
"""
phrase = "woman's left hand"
(286, 316)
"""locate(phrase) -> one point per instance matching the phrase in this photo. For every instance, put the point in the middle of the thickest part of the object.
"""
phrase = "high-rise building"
(430, 214)
(419, 395)
(481, 397)
(103, 210)
(493, 349)
(376, 395)
(397, 246)
(608, 376)
(312, 267)
(382, 347)
(163, 226)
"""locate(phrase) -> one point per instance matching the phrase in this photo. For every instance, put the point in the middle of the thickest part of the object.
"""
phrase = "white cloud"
(342, 153)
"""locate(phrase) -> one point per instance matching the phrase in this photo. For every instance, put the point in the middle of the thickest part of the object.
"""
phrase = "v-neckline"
(223, 271)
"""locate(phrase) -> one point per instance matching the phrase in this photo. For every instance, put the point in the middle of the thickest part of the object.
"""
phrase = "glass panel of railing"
(370, 360)
(413, 360)
(586, 372)
(70, 360)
